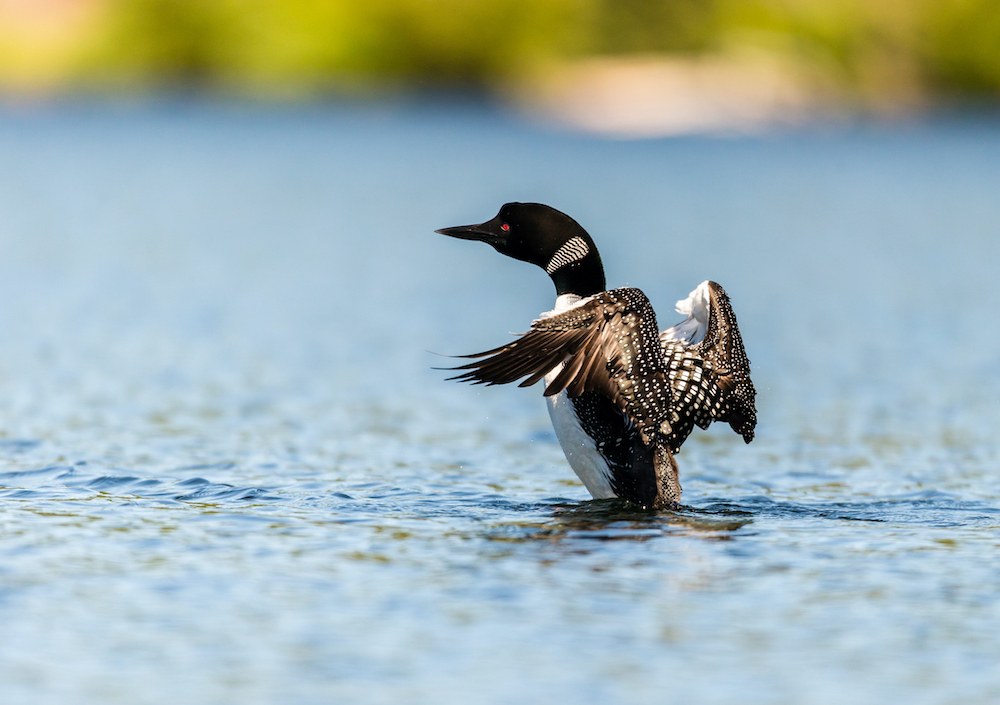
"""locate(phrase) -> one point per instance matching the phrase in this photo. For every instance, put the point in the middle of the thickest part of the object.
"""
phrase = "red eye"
(505, 227)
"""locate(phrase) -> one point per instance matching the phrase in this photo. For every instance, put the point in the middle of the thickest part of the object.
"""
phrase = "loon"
(622, 395)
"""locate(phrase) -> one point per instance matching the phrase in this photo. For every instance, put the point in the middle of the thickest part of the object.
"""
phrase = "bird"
(622, 395)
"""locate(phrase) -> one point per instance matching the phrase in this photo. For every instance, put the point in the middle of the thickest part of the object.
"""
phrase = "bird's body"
(588, 437)
(622, 396)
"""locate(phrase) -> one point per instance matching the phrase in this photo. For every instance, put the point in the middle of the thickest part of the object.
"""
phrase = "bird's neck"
(582, 278)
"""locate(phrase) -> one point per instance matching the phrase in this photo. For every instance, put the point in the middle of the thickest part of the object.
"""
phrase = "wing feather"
(593, 356)
(709, 369)
(568, 374)
(592, 340)
(666, 383)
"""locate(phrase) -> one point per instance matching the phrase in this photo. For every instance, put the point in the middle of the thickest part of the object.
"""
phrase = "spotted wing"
(708, 367)
(608, 344)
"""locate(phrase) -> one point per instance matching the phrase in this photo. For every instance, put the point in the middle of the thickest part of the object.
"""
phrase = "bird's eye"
(505, 227)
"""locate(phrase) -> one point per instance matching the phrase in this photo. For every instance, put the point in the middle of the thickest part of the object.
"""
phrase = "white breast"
(580, 449)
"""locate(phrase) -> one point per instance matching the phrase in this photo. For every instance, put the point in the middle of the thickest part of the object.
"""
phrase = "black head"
(543, 236)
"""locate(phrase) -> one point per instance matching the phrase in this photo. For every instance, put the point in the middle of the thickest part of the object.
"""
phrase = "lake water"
(229, 474)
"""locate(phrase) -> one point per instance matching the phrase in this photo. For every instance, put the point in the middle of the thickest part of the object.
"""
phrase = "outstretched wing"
(708, 366)
(607, 344)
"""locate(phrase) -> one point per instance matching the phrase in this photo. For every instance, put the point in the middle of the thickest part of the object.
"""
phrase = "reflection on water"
(223, 452)
(614, 520)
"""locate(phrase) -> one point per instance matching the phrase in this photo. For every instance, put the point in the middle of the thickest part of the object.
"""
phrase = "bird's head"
(541, 235)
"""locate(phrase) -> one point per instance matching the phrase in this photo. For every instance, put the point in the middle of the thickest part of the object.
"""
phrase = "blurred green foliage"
(296, 44)
(649, 26)
(960, 50)
(942, 45)
(873, 46)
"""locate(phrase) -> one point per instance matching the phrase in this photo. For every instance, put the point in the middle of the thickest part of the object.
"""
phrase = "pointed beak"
(469, 232)
(491, 232)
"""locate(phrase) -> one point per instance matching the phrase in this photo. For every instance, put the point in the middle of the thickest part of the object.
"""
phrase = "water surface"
(228, 472)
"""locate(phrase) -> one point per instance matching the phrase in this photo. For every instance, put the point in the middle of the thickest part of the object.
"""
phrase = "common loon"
(622, 395)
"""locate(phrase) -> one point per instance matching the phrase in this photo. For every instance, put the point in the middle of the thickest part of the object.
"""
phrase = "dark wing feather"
(610, 346)
(711, 378)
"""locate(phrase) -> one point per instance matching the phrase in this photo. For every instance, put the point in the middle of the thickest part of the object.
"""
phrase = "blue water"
(228, 472)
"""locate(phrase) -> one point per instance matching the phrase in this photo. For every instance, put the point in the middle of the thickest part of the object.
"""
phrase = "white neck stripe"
(573, 251)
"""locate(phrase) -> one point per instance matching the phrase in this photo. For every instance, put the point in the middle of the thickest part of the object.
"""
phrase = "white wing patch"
(691, 330)
(573, 251)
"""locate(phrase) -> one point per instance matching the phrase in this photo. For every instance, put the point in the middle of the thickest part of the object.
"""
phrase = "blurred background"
(625, 66)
